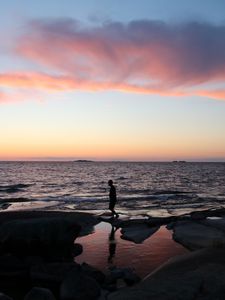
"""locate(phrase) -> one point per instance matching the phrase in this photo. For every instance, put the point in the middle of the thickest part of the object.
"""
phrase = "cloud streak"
(142, 56)
(6, 97)
(42, 81)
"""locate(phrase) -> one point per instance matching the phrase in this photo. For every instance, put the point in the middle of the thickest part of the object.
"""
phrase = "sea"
(143, 188)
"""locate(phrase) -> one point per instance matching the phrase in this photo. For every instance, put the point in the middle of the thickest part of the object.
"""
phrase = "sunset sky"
(139, 80)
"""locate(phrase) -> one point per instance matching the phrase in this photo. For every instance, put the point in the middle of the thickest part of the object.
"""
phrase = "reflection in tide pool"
(105, 248)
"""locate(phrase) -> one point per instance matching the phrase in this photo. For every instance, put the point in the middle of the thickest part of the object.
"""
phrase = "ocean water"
(148, 188)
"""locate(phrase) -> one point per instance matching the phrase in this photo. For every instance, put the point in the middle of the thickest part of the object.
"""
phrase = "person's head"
(110, 182)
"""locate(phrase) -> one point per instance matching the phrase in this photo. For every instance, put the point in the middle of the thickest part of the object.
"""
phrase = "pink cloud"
(218, 94)
(44, 82)
(2, 97)
(32, 80)
(11, 97)
(141, 56)
(141, 50)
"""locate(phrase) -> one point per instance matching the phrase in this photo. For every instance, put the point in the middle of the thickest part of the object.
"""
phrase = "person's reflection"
(112, 244)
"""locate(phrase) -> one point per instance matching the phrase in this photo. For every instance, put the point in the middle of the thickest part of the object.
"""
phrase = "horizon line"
(125, 161)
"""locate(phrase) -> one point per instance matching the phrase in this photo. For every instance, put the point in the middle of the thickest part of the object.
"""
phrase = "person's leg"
(111, 207)
(115, 213)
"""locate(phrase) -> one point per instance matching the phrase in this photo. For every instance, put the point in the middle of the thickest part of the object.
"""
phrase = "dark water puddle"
(102, 251)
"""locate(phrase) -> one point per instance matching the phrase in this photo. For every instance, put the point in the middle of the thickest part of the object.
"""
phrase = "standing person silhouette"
(112, 198)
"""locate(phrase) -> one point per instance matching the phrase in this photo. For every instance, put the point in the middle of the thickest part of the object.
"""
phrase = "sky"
(138, 80)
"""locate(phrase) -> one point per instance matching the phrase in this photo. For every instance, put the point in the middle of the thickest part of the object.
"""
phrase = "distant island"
(83, 160)
(179, 161)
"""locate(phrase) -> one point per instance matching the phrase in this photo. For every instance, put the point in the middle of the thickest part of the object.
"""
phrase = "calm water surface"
(155, 188)
(143, 258)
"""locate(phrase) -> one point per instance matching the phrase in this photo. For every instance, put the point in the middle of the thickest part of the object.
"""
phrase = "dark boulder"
(196, 275)
(93, 273)
(77, 249)
(194, 235)
(37, 293)
(77, 286)
(38, 236)
(51, 274)
(128, 275)
(4, 297)
(13, 272)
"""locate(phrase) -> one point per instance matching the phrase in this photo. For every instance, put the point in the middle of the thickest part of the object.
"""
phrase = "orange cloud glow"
(41, 81)
(11, 97)
(139, 57)
(66, 83)
(218, 94)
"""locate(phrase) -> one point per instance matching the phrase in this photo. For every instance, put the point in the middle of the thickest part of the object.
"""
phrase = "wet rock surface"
(138, 233)
(215, 222)
(198, 235)
(197, 275)
(4, 205)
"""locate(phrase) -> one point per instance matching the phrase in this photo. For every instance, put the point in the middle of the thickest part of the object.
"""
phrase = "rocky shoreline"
(37, 252)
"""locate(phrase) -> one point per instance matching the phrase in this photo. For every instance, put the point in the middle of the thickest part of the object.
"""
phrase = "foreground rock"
(85, 220)
(66, 280)
(93, 273)
(195, 235)
(43, 233)
(38, 293)
(137, 233)
(197, 275)
(203, 214)
(4, 297)
(41, 236)
(215, 222)
(128, 275)
(77, 286)
(50, 275)
(37, 249)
